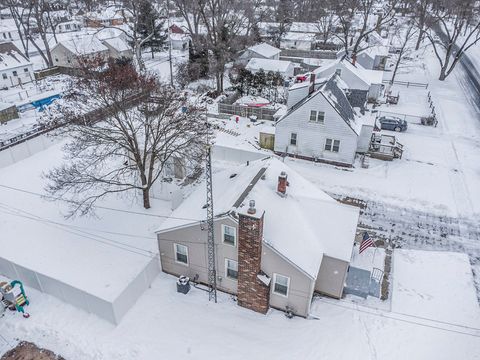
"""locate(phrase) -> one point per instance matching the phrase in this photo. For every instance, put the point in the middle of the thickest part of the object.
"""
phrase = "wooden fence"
(315, 54)
(407, 83)
(89, 118)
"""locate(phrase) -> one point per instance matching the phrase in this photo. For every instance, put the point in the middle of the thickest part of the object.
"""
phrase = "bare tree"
(325, 21)
(354, 18)
(130, 145)
(404, 36)
(190, 11)
(420, 11)
(224, 20)
(453, 27)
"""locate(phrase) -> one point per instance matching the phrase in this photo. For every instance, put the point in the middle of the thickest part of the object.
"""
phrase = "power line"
(384, 315)
(97, 206)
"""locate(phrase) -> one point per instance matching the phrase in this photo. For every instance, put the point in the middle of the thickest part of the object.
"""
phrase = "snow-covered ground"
(99, 254)
(189, 327)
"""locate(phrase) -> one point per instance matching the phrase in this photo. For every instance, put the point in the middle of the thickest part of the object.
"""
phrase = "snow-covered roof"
(366, 77)
(302, 227)
(295, 36)
(265, 50)
(11, 57)
(268, 65)
(8, 25)
(83, 45)
(377, 50)
(118, 44)
(304, 27)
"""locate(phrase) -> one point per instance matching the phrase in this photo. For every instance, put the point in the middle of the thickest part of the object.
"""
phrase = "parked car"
(392, 123)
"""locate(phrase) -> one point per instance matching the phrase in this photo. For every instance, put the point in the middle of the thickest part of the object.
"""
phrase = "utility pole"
(169, 43)
(212, 275)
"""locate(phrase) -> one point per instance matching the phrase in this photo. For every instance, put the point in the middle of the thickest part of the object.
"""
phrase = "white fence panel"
(110, 311)
(236, 155)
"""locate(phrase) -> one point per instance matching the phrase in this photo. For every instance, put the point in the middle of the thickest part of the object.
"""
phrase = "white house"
(67, 26)
(179, 41)
(373, 58)
(8, 30)
(361, 84)
(259, 51)
(66, 53)
(321, 125)
(15, 68)
(118, 48)
(285, 68)
(299, 41)
(275, 246)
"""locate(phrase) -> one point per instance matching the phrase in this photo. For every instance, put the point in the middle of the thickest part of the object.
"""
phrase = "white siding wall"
(8, 77)
(311, 136)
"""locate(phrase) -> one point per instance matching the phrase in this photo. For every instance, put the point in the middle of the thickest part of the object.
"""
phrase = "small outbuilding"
(285, 68)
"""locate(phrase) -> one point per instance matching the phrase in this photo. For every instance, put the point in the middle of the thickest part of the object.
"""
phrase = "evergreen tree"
(151, 25)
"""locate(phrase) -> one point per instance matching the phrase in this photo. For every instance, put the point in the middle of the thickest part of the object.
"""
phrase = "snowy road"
(413, 229)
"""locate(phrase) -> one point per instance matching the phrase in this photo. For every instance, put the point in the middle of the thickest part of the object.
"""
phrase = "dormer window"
(338, 72)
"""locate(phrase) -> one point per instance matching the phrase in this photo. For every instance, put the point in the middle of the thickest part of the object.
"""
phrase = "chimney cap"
(251, 207)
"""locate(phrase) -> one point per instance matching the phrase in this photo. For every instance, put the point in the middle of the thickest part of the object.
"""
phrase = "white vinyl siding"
(281, 284)
(181, 254)
(229, 235)
(311, 137)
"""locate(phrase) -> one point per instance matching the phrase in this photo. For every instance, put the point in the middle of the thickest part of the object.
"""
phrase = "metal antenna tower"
(212, 275)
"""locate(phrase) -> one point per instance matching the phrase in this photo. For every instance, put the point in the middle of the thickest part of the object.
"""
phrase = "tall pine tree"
(151, 24)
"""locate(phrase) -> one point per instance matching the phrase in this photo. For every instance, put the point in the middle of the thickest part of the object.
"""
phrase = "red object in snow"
(237, 119)
(301, 78)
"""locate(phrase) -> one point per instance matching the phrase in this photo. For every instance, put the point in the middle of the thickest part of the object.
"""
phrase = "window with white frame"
(14, 73)
(293, 139)
(317, 116)
(231, 269)
(4, 76)
(281, 284)
(338, 72)
(332, 145)
(181, 253)
(229, 235)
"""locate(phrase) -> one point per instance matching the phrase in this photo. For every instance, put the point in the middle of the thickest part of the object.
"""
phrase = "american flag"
(366, 242)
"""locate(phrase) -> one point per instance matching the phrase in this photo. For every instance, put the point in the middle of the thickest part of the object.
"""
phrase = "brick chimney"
(252, 293)
(282, 183)
(311, 89)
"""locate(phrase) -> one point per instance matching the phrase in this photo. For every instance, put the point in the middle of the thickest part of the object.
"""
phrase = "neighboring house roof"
(302, 226)
(11, 57)
(332, 90)
(7, 25)
(304, 27)
(83, 45)
(294, 36)
(366, 77)
(377, 50)
(265, 50)
(268, 65)
(117, 44)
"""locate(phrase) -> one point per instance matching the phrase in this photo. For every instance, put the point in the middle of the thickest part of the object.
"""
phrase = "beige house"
(278, 238)
(67, 53)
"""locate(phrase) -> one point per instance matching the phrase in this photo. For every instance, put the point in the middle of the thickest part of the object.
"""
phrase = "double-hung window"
(229, 235)
(281, 284)
(293, 139)
(231, 269)
(317, 116)
(332, 145)
(181, 254)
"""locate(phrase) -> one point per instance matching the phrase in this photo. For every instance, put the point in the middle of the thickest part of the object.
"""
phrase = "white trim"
(175, 254)
(226, 268)
(274, 282)
(223, 235)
